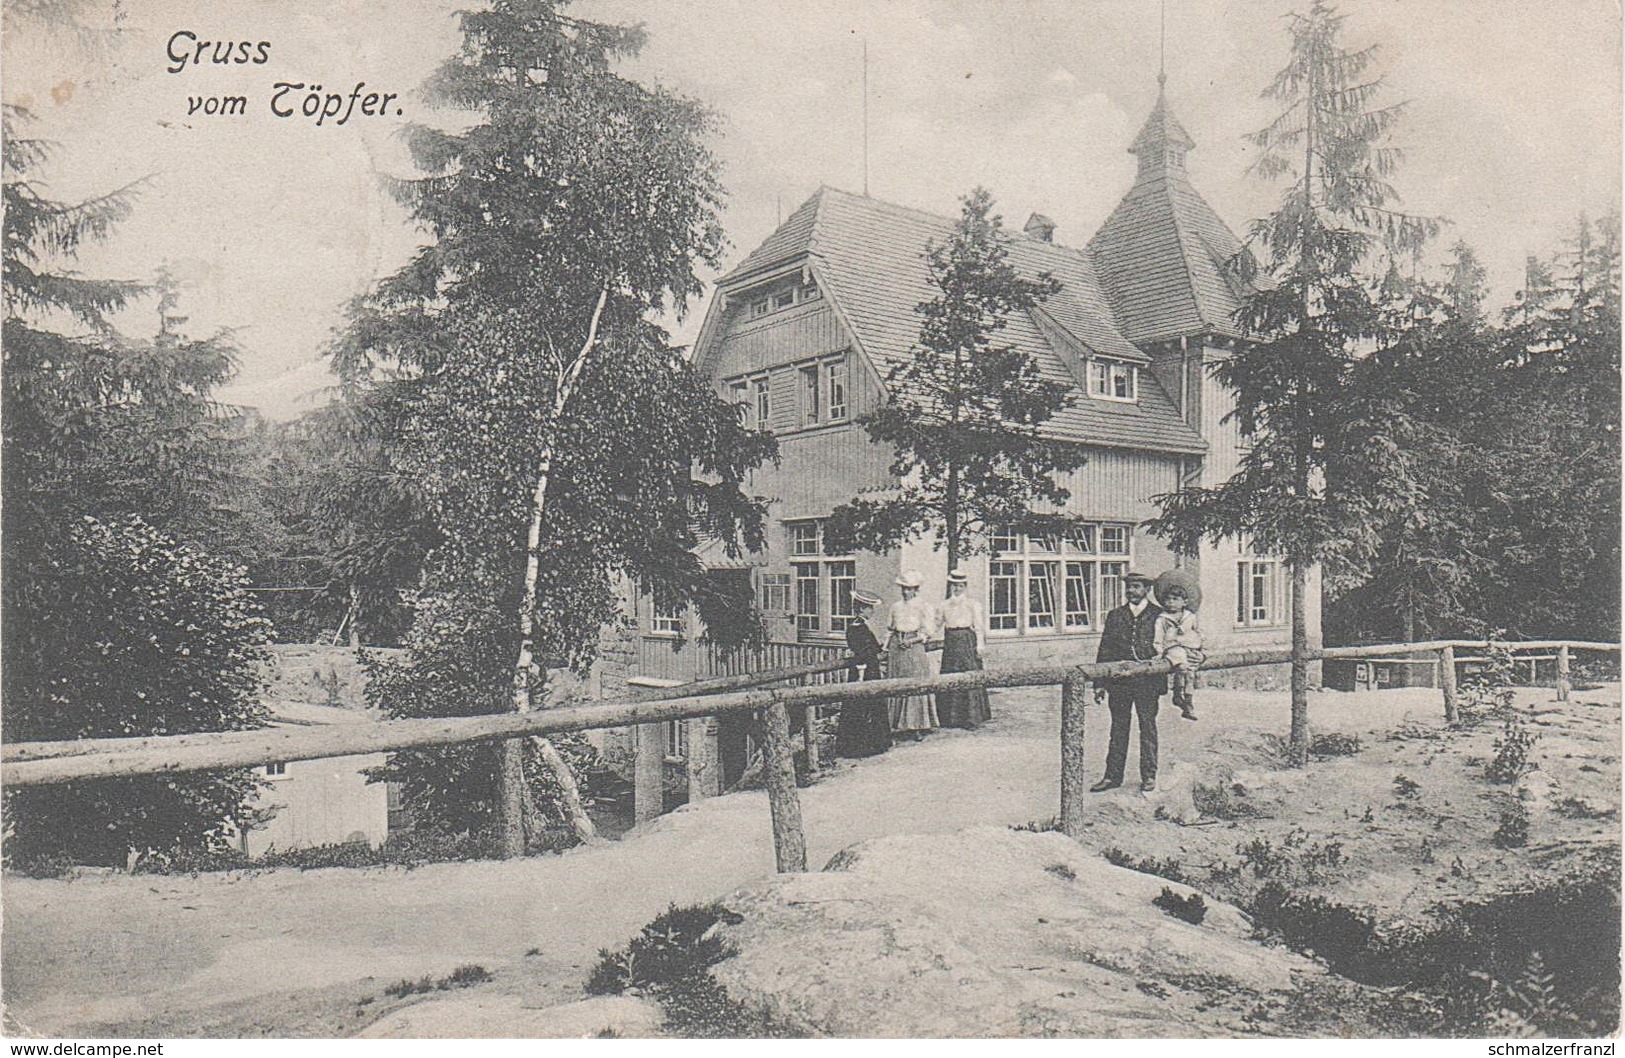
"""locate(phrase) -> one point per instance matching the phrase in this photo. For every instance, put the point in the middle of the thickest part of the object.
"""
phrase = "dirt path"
(295, 953)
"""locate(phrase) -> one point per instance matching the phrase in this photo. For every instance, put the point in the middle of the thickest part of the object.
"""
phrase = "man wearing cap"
(865, 724)
(1130, 635)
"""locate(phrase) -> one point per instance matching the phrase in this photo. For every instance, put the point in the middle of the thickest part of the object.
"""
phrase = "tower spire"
(1162, 49)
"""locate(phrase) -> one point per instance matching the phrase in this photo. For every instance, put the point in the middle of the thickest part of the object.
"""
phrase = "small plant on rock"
(1334, 744)
(1192, 909)
(1406, 787)
(1512, 748)
(1513, 831)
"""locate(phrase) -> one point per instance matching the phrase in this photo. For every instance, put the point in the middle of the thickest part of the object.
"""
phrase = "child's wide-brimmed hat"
(958, 576)
(863, 598)
(1183, 579)
(910, 578)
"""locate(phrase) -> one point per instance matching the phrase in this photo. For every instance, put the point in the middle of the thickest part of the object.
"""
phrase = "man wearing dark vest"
(1130, 635)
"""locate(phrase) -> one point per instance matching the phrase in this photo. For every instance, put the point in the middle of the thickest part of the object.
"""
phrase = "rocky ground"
(1403, 817)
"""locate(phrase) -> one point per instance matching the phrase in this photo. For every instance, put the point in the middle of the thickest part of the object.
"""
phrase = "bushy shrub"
(1512, 748)
(117, 631)
(1192, 909)
(671, 960)
(1334, 744)
(1169, 868)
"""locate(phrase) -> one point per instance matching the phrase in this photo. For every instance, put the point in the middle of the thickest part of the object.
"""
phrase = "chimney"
(1040, 227)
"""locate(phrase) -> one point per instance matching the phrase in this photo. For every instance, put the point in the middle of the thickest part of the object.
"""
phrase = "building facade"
(802, 334)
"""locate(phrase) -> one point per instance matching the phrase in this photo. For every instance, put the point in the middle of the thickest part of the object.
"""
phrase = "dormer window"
(785, 294)
(1114, 380)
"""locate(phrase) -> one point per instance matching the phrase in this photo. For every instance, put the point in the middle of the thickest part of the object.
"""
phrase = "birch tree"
(558, 438)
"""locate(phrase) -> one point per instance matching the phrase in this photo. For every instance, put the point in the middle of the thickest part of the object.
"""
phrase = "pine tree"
(966, 414)
(1317, 481)
(112, 627)
(557, 439)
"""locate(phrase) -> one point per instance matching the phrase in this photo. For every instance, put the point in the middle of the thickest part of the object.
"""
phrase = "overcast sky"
(274, 223)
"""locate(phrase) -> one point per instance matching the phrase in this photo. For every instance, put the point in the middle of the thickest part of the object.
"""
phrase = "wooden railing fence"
(40, 763)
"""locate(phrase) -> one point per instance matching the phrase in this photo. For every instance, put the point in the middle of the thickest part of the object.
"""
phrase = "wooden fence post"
(810, 737)
(779, 775)
(1074, 770)
(1447, 683)
(704, 770)
(1563, 684)
(649, 772)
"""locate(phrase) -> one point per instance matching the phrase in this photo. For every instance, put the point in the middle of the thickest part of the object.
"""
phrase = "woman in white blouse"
(911, 622)
(964, 636)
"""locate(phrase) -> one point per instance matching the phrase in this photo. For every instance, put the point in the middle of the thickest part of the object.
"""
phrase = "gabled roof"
(870, 257)
(1165, 255)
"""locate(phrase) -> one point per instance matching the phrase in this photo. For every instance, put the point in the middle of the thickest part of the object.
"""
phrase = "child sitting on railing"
(1180, 641)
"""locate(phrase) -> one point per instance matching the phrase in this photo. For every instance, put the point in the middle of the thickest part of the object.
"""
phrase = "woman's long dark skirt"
(864, 728)
(968, 707)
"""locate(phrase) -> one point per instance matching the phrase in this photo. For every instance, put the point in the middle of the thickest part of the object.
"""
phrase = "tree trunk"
(524, 668)
(1298, 743)
(950, 516)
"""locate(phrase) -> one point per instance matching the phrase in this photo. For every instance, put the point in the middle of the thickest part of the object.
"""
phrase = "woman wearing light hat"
(910, 622)
(865, 726)
(963, 640)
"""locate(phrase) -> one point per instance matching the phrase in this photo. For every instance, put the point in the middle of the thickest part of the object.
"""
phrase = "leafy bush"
(118, 631)
(1192, 909)
(409, 849)
(1333, 744)
(1512, 748)
(1038, 826)
(1513, 830)
(466, 976)
(671, 960)
(1169, 868)
(1225, 799)
(1406, 787)
(1296, 859)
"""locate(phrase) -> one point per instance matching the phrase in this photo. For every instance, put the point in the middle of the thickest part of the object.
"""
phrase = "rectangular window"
(804, 538)
(1038, 587)
(809, 396)
(1113, 380)
(760, 307)
(784, 299)
(677, 739)
(277, 768)
(1041, 595)
(764, 403)
(1111, 585)
(835, 378)
(1080, 591)
(1081, 539)
(666, 621)
(810, 292)
(773, 594)
(1258, 592)
(1003, 584)
(807, 597)
(739, 393)
(843, 578)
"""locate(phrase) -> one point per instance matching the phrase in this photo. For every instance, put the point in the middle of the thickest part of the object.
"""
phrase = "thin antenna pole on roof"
(865, 117)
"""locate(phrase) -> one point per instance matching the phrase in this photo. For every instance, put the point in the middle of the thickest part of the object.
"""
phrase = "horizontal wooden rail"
(39, 763)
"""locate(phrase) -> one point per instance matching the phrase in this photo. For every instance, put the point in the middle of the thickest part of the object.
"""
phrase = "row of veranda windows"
(1037, 584)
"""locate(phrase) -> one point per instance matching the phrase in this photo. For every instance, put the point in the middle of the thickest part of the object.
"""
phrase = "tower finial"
(1162, 48)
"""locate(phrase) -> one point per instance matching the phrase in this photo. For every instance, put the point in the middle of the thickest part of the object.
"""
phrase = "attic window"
(1114, 380)
(783, 295)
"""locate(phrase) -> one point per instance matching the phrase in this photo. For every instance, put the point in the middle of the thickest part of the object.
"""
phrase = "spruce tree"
(966, 413)
(1317, 479)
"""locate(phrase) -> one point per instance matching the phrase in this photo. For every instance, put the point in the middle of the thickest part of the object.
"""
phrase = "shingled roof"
(870, 257)
(1159, 268)
(1165, 255)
